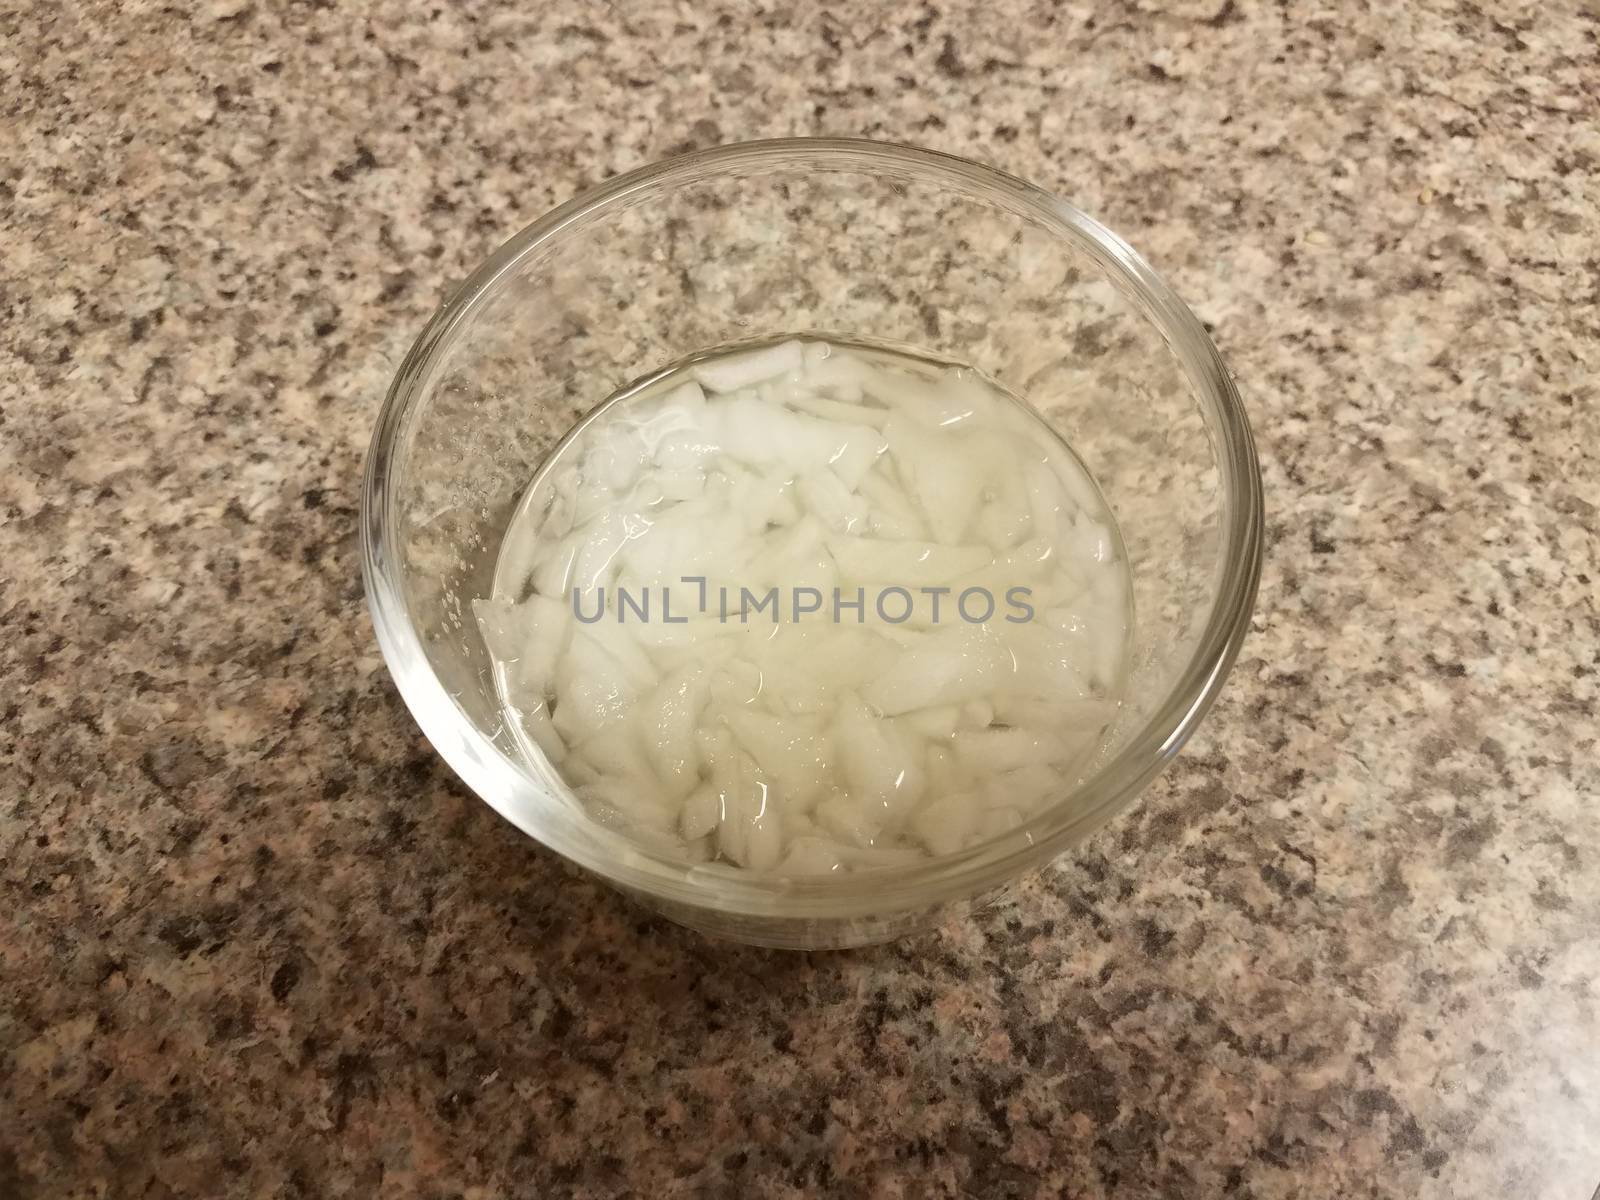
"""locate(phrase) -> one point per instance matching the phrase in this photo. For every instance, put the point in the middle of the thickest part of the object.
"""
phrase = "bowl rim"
(508, 787)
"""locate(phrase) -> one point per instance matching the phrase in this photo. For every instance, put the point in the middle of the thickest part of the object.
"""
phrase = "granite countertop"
(255, 939)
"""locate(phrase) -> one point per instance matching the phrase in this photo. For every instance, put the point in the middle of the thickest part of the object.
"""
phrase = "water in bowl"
(811, 605)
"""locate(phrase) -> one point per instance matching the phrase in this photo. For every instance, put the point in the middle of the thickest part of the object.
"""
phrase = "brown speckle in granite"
(256, 940)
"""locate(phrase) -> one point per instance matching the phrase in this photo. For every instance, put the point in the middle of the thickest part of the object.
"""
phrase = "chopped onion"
(731, 372)
(732, 694)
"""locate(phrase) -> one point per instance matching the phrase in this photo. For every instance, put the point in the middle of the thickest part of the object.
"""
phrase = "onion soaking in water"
(811, 606)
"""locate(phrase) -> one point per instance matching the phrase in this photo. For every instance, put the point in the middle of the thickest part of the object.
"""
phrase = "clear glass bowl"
(854, 238)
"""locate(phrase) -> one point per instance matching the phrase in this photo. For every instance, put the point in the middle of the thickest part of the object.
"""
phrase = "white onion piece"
(687, 450)
(837, 410)
(741, 370)
(817, 666)
(751, 829)
(952, 665)
(979, 713)
(684, 402)
(1026, 789)
(669, 718)
(945, 825)
(991, 751)
(904, 564)
(553, 568)
(1072, 718)
(536, 723)
(616, 456)
(629, 801)
(618, 750)
(835, 505)
(702, 811)
(890, 514)
(593, 689)
(793, 752)
(944, 473)
(933, 723)
(1047, 661)
(809, 855)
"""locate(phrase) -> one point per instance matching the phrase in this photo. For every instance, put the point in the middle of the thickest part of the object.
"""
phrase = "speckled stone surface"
(256, 940)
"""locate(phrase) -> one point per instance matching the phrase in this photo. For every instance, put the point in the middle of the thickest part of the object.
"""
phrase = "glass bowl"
(863, 240)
